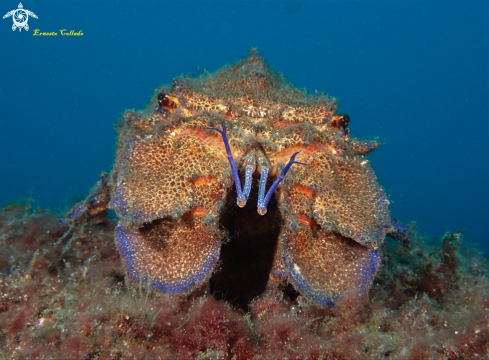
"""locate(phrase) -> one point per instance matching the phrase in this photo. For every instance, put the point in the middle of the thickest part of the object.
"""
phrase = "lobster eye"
(339, 122)
(162, 100)
(167, 103)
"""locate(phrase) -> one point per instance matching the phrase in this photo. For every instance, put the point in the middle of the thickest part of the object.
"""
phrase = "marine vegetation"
(64, 295)
(249, 225)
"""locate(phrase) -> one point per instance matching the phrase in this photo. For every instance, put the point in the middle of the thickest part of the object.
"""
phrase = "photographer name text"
(62, 32)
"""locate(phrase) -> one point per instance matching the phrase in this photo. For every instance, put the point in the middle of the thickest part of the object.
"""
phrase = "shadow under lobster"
(247, 257)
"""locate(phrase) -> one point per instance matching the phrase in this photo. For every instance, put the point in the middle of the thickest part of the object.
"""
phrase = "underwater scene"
(244, 180)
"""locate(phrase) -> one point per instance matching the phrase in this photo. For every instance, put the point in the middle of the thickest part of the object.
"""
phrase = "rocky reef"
(64, 294)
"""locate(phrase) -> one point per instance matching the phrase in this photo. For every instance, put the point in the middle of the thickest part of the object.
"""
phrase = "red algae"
(64, 295)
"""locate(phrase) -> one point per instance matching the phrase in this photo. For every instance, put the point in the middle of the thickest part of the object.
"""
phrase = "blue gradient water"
(412, 72)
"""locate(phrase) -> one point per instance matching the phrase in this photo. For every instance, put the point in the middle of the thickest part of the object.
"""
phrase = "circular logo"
(20, 17)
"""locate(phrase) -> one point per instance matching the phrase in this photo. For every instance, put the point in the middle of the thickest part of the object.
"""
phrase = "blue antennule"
(242, 196)
(243, 193)
(264, 199)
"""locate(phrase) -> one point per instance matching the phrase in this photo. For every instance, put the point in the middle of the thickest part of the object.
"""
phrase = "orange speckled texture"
(171, 168)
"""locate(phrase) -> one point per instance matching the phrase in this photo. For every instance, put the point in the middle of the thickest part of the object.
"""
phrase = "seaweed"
(64, 294)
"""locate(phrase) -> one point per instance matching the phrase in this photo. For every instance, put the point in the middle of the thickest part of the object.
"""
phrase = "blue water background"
(412, 72)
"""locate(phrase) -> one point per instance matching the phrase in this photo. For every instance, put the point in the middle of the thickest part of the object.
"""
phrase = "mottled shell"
(172, 176)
